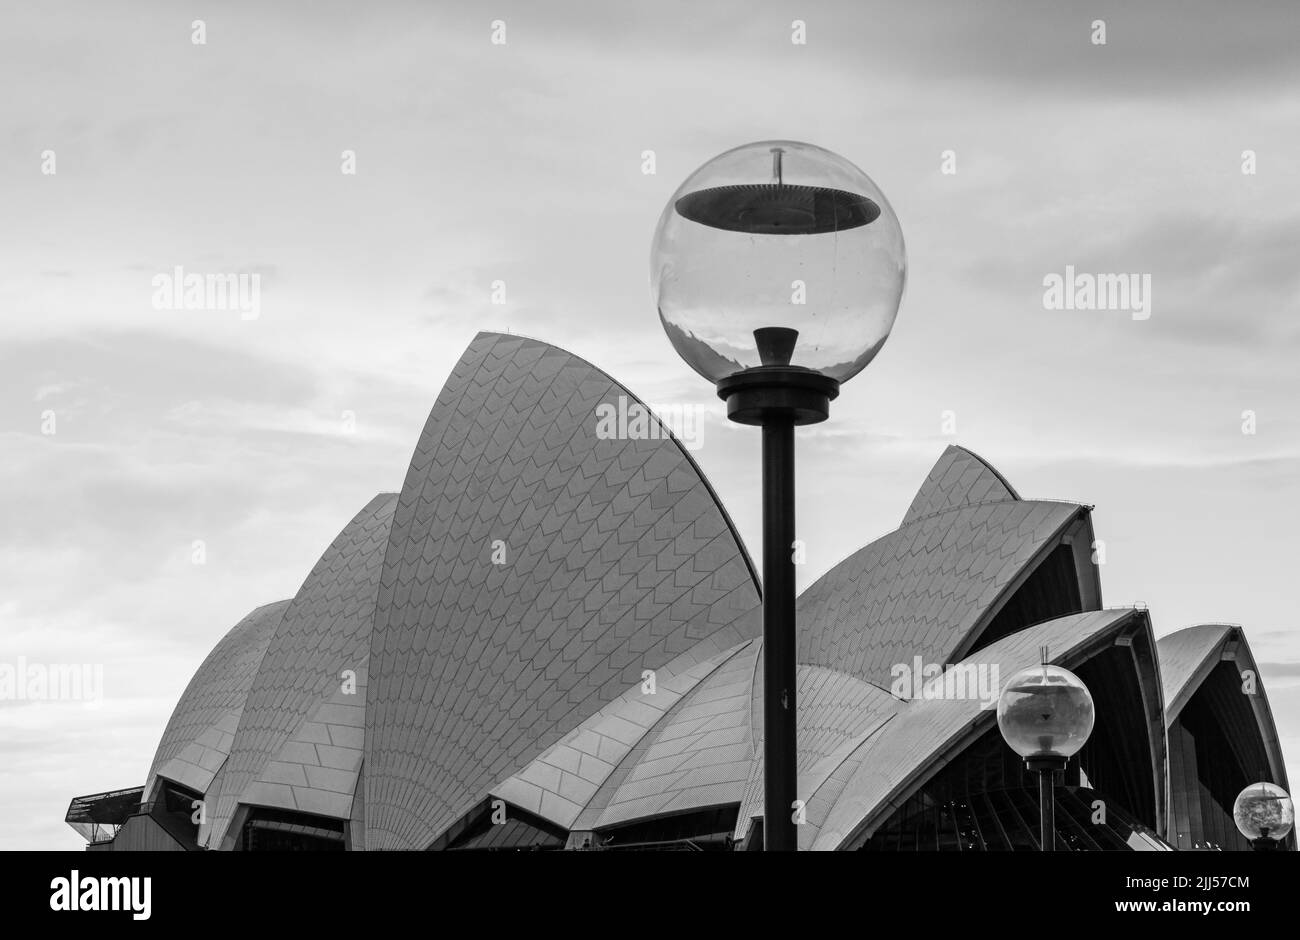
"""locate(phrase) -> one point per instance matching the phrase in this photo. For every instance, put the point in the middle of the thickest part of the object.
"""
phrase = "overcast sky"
(522, 163)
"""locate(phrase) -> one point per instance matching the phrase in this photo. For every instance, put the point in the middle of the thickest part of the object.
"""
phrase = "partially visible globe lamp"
(1264, 814)
(1045, 714)
(778, 269)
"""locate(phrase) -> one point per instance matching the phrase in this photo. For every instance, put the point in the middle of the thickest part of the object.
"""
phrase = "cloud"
(1281, 670)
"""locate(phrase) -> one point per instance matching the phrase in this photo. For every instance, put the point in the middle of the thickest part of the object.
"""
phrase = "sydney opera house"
(551, 640)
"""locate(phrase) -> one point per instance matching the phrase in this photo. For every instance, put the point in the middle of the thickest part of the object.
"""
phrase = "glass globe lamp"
(1264, 811)
(1045, 712)
(777, 269)
(778, 253)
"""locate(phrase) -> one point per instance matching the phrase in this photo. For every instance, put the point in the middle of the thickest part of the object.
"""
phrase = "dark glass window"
(280, 830)
(700, 830)
(497, 826)
(985, 801)
(1051, 591)
(1215, 751)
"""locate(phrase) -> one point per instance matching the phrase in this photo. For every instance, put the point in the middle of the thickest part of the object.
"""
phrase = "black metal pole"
(1047, 810)
(780, 833)
(778, 397)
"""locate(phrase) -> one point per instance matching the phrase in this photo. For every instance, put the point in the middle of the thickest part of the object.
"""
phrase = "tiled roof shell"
(570, 622)
(1188, 656)
(959, 478)
(924, 588)
(927, 729)
(619, 560)
(298, 745)
(921, 590)
(1183, 654)
(201, 730)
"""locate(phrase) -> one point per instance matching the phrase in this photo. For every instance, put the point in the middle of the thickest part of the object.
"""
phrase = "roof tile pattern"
(959, 478)
(512, 598)
(921, 589)
(699, 755)
(837, 712)
(325, 631)
(566, 784)
(618, 559)
(693, 745)
(202, 727)
(315, 771)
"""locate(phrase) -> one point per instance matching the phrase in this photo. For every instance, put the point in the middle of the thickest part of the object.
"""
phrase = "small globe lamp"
(777, 269)
(1045, 715)
(1264, 814)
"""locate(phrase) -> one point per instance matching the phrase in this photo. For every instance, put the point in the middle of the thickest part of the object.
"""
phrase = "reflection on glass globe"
(778, 234)
(1045, 711)
(1264, 810)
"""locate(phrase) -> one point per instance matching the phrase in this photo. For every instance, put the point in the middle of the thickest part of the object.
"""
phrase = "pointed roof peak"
(960, 477)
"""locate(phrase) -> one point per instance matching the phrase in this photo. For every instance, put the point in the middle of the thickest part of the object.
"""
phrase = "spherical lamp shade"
(1045, 711)
(1264, 811)
(786, 239)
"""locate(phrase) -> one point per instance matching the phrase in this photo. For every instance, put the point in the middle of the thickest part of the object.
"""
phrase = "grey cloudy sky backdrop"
(523, 163)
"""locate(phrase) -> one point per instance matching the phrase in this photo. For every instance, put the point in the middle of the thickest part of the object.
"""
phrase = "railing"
(97, 816)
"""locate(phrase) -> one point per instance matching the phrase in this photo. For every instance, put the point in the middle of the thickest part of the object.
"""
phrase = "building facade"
(551, 638)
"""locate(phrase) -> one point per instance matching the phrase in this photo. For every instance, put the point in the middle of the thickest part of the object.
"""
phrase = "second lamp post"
(1045, 714)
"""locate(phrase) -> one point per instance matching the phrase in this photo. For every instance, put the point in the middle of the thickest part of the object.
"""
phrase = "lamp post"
(1045, 715)
(777, 269)
(1264, 814)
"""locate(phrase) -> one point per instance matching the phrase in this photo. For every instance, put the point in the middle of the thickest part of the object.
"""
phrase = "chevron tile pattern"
(618, 560)
(698, 755)
(958, 478)
(919, 590)
(837, 712)
(202, 727)
(324, 631)
(699, 747)
(570, 623)
(570, 778)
